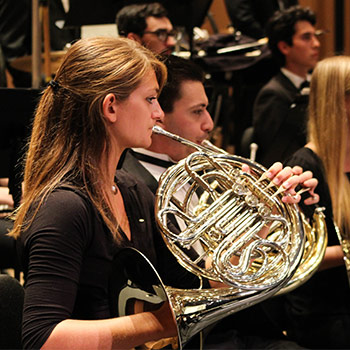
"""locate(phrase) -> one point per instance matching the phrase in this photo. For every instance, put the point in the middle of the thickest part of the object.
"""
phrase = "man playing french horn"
(186, 115)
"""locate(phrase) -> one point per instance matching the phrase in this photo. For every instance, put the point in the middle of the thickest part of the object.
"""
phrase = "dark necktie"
(152, 160)
(304, 84)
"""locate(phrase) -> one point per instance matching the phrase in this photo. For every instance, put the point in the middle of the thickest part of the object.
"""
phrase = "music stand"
(18, 106)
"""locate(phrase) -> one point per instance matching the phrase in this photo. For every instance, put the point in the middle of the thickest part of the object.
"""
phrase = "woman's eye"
(151, 99)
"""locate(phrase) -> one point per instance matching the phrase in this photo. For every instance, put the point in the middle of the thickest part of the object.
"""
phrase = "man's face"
(304, 52)
(189, 119)
(155, 42)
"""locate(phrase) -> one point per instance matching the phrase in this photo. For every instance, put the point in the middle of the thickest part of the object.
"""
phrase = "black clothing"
(7, 245)
(152, 160)
(11, 304)
(250, 16)
(318, 312)
(279, 120)
(68, 255)
(235, 339)
(15, 41)
(14, 28)
(309, 160)
(131, 164)
(16, 32)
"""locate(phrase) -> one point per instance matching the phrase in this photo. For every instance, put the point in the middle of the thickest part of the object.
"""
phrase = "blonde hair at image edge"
(328, 129)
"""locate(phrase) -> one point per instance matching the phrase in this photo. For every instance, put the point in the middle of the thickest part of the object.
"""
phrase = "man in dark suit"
(279, 114)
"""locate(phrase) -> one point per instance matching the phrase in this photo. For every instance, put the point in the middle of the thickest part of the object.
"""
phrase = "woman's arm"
(117, 333)
(333, 257)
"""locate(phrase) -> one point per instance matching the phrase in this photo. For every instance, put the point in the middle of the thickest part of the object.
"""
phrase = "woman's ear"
(109, 108)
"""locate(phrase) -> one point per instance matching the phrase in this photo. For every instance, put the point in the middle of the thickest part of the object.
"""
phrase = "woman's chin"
(146, 144)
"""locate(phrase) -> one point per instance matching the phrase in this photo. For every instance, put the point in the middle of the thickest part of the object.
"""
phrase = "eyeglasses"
(162, 34)
(308, 36)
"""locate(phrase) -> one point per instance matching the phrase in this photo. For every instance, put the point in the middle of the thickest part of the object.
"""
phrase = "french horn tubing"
(345, 244)
(223, 211)
(232, 208)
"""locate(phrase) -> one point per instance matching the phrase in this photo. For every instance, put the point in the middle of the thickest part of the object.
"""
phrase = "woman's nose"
(158, 113)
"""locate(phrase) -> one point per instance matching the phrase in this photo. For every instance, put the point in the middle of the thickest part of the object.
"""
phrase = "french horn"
(345, 244)
(224, 211)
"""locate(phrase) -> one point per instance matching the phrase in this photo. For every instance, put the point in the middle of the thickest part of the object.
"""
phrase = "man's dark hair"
(132, 18)
(179, 70)
(281, 27)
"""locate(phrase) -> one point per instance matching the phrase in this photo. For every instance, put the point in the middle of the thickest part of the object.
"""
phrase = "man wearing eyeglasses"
(149, 25)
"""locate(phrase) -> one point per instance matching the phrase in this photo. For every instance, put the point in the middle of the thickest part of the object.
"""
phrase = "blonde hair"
(69, 133)
(328, 129)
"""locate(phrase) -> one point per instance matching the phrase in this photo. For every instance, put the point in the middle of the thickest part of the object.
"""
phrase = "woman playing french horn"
(75, 214)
